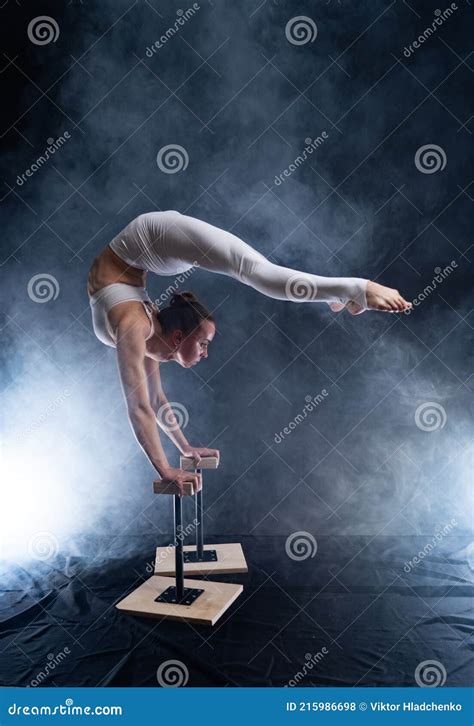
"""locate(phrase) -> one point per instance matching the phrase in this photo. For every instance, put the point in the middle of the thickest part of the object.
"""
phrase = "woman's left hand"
(197, 453)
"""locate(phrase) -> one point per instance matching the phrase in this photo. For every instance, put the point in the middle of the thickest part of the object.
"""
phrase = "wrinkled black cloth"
(354, 598)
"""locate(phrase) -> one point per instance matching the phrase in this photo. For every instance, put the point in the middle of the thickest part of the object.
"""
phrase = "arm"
(165, 416)
(131, 365)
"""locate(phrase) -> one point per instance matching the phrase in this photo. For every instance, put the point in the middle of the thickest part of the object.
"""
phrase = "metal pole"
(199, 521)
(178, 533)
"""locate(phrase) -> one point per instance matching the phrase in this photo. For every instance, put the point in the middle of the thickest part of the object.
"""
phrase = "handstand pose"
(123, 316)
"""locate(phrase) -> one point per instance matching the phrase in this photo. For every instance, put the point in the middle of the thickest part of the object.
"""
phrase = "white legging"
(193, 240)
(169, 243)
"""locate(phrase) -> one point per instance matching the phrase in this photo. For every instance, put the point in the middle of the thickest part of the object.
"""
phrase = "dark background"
(241, 99)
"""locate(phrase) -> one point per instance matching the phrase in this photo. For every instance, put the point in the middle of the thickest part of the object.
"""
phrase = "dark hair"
(184, 312)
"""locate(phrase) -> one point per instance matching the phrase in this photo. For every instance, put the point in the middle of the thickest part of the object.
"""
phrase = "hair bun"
(183, 298)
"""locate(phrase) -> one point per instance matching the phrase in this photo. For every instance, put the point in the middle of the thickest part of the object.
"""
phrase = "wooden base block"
(206, 610)
(230, 559)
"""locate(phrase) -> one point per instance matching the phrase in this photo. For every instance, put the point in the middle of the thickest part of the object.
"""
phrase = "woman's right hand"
(179, 476)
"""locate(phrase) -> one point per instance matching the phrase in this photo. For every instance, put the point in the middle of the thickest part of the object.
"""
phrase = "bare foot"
(384, 298)
(379, 297)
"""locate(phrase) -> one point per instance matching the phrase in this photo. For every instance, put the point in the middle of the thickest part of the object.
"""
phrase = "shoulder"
(129, 317)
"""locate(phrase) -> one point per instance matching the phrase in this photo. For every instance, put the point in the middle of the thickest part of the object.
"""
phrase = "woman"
(169, 243)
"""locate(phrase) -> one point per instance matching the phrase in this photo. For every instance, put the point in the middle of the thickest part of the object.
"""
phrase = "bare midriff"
(108, 268)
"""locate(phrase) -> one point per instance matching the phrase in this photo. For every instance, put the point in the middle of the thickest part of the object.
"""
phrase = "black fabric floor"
(371, 622)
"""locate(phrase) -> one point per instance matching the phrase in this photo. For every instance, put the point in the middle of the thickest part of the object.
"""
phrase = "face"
(192, 348)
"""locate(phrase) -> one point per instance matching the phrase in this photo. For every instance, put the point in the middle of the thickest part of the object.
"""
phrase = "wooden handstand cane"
(179, 598)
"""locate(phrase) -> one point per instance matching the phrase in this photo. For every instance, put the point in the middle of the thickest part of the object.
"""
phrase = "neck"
(158, 346)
